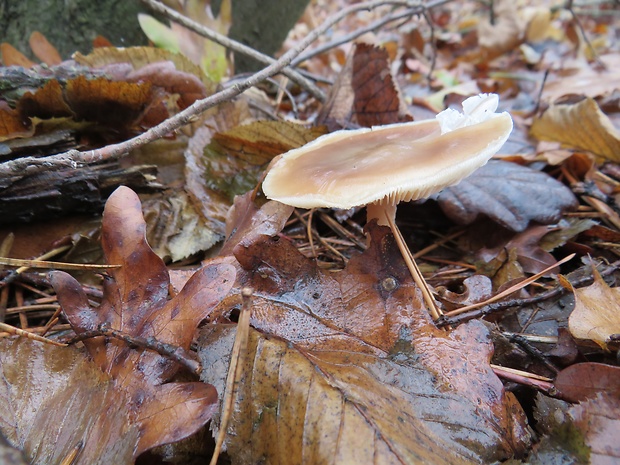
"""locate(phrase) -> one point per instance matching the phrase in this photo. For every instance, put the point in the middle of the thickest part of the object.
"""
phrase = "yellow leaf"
(580, 125)
(597, 312)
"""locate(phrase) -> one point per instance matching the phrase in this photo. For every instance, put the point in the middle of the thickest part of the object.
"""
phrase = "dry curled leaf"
(349, 365)
(596, 316)
(136, 302)
(509, 194)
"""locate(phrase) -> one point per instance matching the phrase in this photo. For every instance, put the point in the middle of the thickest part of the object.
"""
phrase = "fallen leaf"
(136, 302)
(53, 398)
(580, 125)
(477, 288)
(13, 57)
(164, 74)
(599, 421)
(596, 315)
(506, 32)
(234, 160)
(560, 441)
(584, 79)
(175, 229)
(532, 258)
(139, 57)
(583, 381)
(509, 194)
(43, 50)
(349, 365)
(212, 205)
(107, 102)
(11, 124)
(365, 93)
(45, 103)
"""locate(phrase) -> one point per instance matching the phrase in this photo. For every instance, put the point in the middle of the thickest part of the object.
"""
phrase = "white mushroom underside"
(386, 164)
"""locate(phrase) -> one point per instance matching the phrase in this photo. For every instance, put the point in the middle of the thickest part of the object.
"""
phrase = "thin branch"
(506, 304)
(233, 45)
(413, 8)
(176, 353)
(74, 158)
(355, 34)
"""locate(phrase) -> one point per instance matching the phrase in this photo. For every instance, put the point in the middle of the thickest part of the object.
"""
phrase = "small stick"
(35, 263)
(523, 377)
(237, 360)
(35, 337)
(510, 290)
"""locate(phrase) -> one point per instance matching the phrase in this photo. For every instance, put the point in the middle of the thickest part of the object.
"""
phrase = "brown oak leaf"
(135, 382)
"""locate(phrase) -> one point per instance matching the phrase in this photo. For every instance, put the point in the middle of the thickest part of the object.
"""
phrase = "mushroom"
(384, 165)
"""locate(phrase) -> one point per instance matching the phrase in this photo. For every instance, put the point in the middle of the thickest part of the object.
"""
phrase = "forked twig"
(233, 45)
(74, 158)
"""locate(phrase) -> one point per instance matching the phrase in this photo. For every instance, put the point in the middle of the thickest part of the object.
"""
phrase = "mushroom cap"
(390, 164)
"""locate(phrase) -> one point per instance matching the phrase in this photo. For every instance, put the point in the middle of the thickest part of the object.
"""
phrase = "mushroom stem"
(416, 274)
(383, 212)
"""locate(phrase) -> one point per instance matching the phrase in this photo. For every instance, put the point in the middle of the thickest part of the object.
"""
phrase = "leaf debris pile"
(343, 362)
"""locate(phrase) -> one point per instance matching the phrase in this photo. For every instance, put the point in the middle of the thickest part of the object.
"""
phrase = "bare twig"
(503, 305)
(233, 45)
(176, 353)
(355, 34)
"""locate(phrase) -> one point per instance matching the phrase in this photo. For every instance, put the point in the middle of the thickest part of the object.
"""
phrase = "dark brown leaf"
(11, 124)
(53, 398)
(510, 194)
(47, 102)
(585, 380)
(365, 93)
(136, 302)
(107, 102)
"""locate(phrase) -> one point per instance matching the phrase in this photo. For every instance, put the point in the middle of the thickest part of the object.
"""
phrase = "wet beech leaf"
(136, 302)
(53, 398)
(349, 365)
(509, 194)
